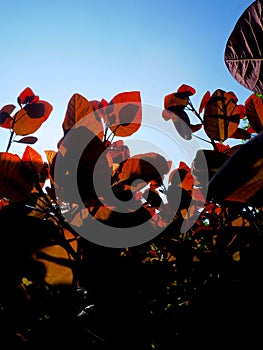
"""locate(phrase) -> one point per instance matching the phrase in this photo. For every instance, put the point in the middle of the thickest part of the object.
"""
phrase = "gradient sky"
(100, 48)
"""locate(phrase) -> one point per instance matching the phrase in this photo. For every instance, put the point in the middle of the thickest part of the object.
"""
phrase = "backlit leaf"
(57, 263)
(50, 154)
(124, 113)
(14, 182)
(78, 108)
(27, 96)
(32, 159)
(243, 51)
(221, 115)
(188, 90)
(175, 100)
(146, 167)
(204, 101)
(254, 112)
(29, 118)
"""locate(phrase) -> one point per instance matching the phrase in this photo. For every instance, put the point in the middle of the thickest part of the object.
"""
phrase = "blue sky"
(100, 48)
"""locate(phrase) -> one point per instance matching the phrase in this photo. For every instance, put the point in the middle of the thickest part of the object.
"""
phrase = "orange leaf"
(50, 154)
(14, 182)
(221, 115)
(79, 108)
(32, 159)
(29, 119)
(57, 262)
(124, 113)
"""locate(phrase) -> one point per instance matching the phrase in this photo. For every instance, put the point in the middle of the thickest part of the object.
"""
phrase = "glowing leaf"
(29, 118)
(80, 109)
(204, 101)
(254, 112)
(57, 263)
(146, 167)
(124, 113)
(221, 115)
(50, 154)
(188, 90)
(32, 159)
(27, 96)
(14, 182)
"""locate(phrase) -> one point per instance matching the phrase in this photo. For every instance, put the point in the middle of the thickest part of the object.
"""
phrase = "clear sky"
(100, 48)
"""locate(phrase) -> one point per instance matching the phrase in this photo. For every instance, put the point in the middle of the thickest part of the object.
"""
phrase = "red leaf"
(124, 113)
(27, 96)
(221, 148)
(143, 167)
(195, 127)
(175, 100)
(14, 181)
(251, 130)
(188, 90)
(254, 112)
(204, 101)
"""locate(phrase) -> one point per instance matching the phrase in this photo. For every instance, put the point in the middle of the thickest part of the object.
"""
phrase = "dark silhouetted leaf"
(241, 134)
(5, 120)
(241, 177)
(243, 53)
(8, 109)
(195, 127)
(27, 139)
(152, 197)
(204, 169)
